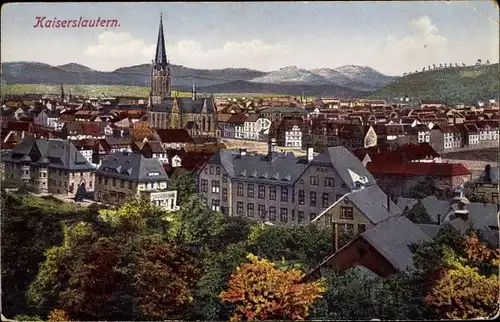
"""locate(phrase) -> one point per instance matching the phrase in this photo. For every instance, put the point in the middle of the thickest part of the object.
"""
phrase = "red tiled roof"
(174, 135)
(419, 151)
(418, 168)
(17, 126)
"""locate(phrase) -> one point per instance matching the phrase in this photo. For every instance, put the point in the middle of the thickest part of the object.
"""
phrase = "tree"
(451, 270)
(418, 214)
(164, 281)
(421, 188)
(461, 292)
(58, 315)
(358, 295)
(195, 223)
(184, 183)
(261, 291)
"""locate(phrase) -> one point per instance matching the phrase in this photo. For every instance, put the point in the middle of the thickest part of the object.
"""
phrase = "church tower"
(160, 72)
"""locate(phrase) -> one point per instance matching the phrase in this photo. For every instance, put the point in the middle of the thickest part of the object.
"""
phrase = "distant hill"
(294, 89)
(356, 77)
(452, 85)
(346, 81)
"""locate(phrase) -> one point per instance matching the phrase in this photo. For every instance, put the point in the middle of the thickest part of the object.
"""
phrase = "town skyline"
(419, 34)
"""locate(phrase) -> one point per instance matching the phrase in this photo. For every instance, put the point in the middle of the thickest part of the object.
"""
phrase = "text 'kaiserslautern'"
(43, 22)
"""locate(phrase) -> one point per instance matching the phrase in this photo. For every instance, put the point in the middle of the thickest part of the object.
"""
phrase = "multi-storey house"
(444, 137)
(48, 166)
(124, 175)
(278, 187)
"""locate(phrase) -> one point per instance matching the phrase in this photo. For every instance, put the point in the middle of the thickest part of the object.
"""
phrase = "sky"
(391, 37)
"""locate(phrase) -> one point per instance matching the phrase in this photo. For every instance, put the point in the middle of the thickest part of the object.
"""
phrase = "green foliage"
(185, 184)
(309, 245)
(85, 90)
(422, 188)
(456, 85)
(30, 225)
(195, 223)
(261, 291)
(24, 317)
(418, 214)
(354, 295)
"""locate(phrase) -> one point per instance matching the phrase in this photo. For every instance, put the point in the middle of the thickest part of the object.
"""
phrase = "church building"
(197, 115)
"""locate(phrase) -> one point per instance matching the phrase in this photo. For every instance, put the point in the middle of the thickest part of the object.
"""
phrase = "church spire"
(193, 92)
(161, 55)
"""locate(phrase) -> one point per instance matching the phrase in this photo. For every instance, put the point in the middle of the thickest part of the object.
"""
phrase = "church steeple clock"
(161, 77)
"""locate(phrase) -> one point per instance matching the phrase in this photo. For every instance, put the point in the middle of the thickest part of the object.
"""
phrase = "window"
(314, 180)
(250, 209)
(494, 197)
(215, 205)
(312, 215)
(361, 228)
(224, 178)
(122, 183)
(328, 182)
(262, 211)
(90, 184)
(312, 200)
(284, 214)
(346, 229)
(250, 190)
(284, 194)
(272, 193)
(239, 208)
(239, 189)
(302, 197)
(325, 200)
(346, 213)
(272, 213)
(262, 191)
(300, 217)
(205, 170)
(217, 171)
(211, 170)
(204, 185)
(215, 186)
(224, 194)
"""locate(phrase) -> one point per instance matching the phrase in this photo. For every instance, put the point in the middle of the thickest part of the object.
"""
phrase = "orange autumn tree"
(261, 291)
(58, 315)
(466, 288)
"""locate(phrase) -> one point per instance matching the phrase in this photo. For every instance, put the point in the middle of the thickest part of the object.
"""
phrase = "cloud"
(423, 45)
(115, 49)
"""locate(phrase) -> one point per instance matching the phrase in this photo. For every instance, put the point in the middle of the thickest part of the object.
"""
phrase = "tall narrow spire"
(161, 55)
(193, 92)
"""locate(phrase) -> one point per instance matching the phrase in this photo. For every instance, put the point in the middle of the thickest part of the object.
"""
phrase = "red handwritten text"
(43, 22)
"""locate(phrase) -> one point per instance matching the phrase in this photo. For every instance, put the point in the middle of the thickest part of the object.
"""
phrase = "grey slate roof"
(285, 168)
(370, 201)
(492, 237)
(161, 55)
(483, 214)
(62, 154)
(403, 202)
(435, 207)
(186, 105)
(391, 239)
(430, 229)
(343, 161)
(132, 167)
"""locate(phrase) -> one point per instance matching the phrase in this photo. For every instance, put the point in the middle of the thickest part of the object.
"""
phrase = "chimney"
(243, 152)
(310, 154)
(388, 203)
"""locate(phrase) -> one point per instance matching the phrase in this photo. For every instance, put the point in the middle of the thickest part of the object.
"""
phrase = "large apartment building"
(124, 175)
(279, 187)
(48, 166)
